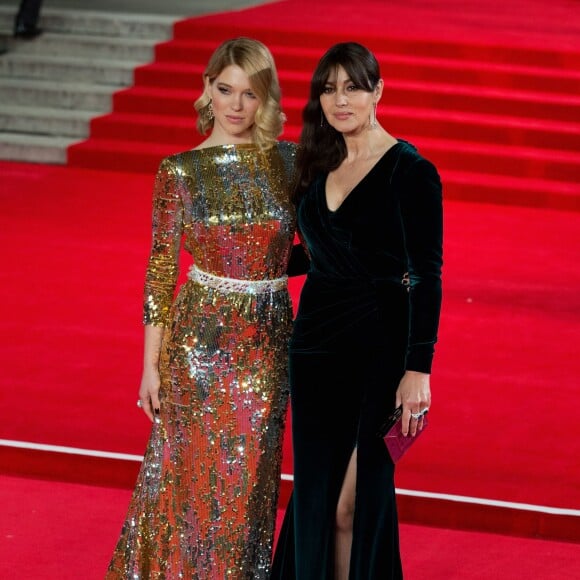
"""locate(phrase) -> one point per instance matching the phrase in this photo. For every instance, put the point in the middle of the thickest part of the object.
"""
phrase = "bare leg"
(344, 522)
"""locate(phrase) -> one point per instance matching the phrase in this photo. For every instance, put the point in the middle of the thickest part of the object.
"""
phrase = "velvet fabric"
(369, 309)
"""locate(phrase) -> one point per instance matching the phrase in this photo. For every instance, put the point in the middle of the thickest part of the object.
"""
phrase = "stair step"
(470, 48)
(458, 70)
(504, 190)
(98, 71)
(98, 23)
(147, 128)
(487, 100)
(167, 101)
(119, 155)
(452, 155)
(181, 132)
(505, 160)
(114, 48)
(296, 84)
(62, 95)
(34, 148)
(485, 128)
(45, 121)
(399, 121)
(473, 186)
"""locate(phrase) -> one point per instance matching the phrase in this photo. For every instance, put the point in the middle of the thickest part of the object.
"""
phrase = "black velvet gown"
(361, 323)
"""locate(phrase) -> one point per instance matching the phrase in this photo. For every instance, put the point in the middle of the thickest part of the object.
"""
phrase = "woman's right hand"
(149, 393)
(150, 381)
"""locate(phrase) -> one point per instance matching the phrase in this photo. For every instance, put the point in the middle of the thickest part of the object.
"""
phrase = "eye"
(327, 90)
(251, 95)
(352, 88)
(224, 90)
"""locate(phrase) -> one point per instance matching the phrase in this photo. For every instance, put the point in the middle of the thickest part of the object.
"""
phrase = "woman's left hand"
(414, 393)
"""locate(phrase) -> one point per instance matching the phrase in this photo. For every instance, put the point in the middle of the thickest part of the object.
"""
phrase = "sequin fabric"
(205, 502)
(235, 284)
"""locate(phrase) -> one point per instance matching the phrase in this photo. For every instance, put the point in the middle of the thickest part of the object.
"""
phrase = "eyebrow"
(347, 80)
(224, 84)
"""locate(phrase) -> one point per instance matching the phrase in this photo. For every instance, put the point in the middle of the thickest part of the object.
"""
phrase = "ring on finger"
(140, 404)
(420, 414)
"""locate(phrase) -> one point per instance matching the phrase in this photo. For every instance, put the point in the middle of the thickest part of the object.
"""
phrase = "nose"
(237, 103)
(340, 99)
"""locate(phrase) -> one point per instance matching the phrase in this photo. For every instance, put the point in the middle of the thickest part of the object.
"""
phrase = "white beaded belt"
(235, 284)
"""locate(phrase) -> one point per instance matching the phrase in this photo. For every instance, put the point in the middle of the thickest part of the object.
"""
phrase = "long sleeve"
(167, 227)
(422, 217)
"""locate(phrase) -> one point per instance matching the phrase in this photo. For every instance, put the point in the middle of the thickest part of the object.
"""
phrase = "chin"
(350, 130)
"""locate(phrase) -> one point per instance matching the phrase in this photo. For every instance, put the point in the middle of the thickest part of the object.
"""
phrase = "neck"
(221, 138)
(367, 143)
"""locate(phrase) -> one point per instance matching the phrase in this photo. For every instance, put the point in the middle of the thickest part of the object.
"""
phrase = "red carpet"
(485, 90)
(489, 92)
(505, 423)
(63, 531)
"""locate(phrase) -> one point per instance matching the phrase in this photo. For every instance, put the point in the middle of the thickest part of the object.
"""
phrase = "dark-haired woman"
(370, 216)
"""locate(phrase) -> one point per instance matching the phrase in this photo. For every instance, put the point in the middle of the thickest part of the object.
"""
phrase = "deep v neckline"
(357, 184)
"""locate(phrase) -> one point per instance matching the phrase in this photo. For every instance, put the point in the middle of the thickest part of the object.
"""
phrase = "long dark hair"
(322, 148)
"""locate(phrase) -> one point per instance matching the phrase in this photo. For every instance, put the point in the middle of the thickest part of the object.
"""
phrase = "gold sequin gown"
(205, 501)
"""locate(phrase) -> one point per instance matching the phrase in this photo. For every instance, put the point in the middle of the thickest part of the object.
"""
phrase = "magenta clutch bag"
(397, 444)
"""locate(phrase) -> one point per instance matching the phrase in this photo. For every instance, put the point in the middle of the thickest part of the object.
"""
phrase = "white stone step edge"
(45, 121)
(34, 148)
(95, 70)
(63, 95)
(131, 49)
(118, 24)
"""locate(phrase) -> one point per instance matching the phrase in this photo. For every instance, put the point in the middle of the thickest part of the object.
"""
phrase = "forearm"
(425, 306)
(150, 381)
(152, 347)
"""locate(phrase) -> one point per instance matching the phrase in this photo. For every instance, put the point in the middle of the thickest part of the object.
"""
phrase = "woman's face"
(234, 104)
(346, 107)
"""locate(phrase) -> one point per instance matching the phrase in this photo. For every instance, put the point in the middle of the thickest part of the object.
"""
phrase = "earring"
(373, 119)
(321, 118)
(209, 111)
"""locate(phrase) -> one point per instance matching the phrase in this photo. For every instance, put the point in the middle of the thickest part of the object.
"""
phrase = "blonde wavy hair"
(257, 62)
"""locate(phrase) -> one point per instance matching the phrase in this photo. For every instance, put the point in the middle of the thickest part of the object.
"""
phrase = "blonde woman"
(215, 371)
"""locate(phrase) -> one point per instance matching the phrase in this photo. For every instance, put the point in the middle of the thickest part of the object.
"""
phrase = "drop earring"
(209, 113)
(321, 118)
(373, 120)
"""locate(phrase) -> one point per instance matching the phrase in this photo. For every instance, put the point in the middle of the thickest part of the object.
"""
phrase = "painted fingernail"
(157, 411)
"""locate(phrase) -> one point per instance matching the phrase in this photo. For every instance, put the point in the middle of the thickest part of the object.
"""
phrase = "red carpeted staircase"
(486, 90)
(500, 120)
